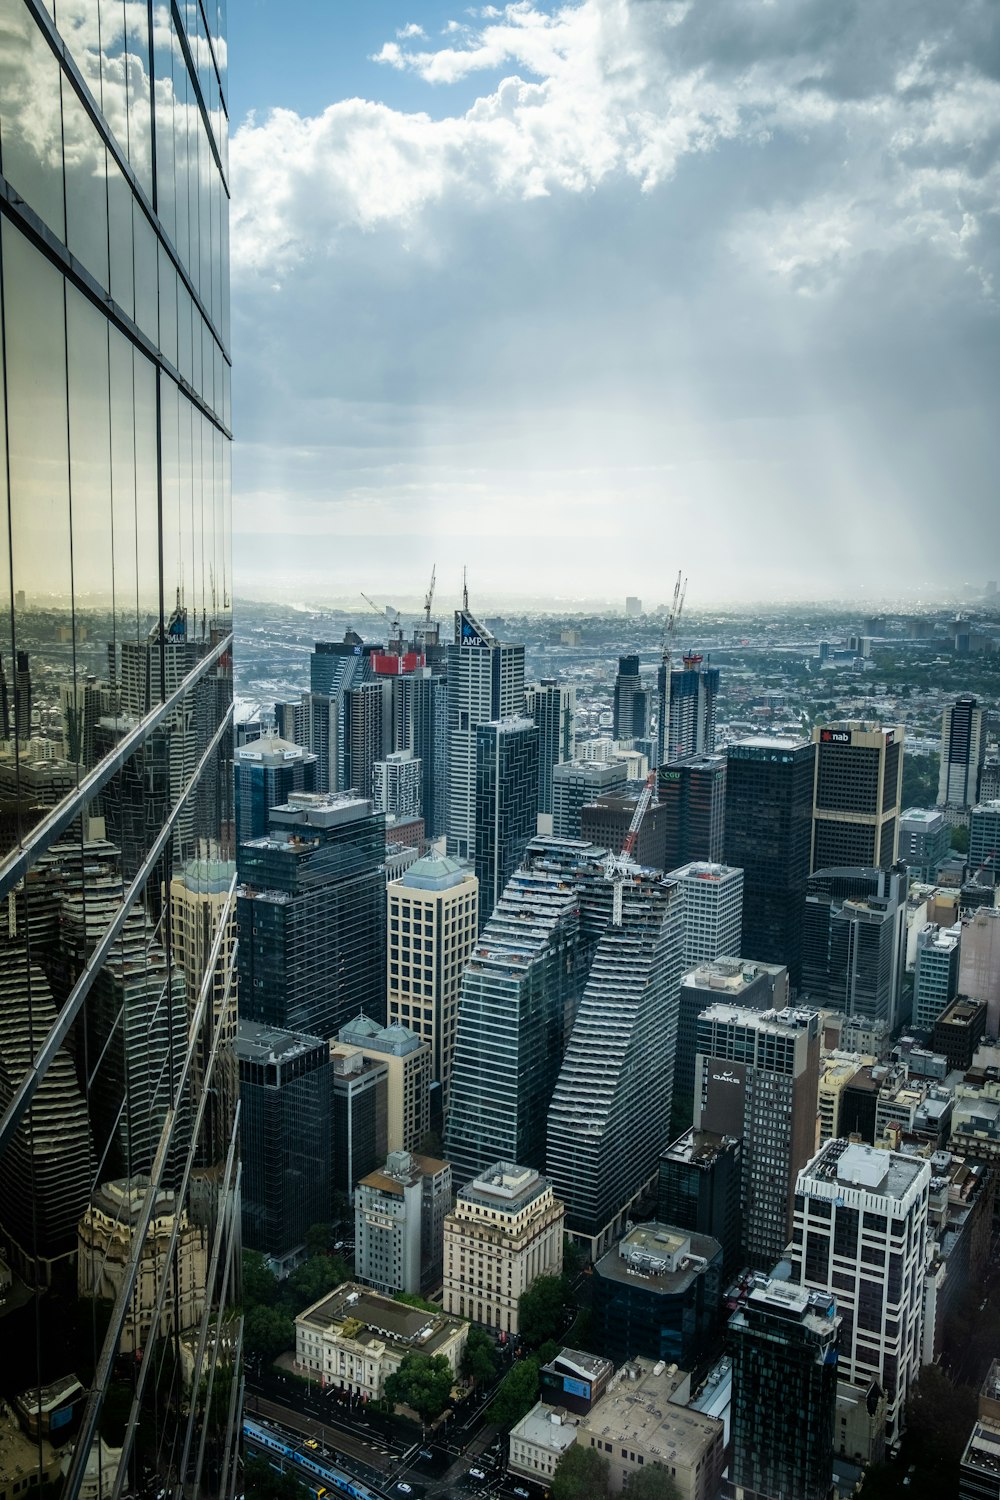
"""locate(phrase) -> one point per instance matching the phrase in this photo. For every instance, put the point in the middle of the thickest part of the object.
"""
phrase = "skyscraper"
(935, 973)
(984, 836)
(610, 1113)
(578, 782)
(396, 784)
(783, 1342)
(367, 732)
(687, 720)
(631, 702)
(435, 903)
(769, 791)
(861, 1233)
(854, 941)
(485, 683)
(506, 801)
(311, 912)
(856, 803)
(713, 910)
(115, 477)
(963, 751)
(553, 709)
(520, 991)
(757, 1077)
(268, 770)
(421, 713)
(607, 821)
(692, 792)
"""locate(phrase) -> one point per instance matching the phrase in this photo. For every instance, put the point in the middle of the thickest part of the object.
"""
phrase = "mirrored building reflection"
(119, 1168)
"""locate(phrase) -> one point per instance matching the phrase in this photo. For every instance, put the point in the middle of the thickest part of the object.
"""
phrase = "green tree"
(268, 1332)
(581, 1474)
(320, 1239)
(939, 1417)
(260, 1285)
(264, 1483)
(547, 1352)
(411, 1299)
(312, 1280)
(541, 1310)
(651, 1483)
(960, 839)
(479, 1358)
(423, 1383)
(517, 1394)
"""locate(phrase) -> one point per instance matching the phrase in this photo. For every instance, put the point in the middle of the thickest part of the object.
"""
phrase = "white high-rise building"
(485, 682)
(397, 783)
(860, 1232)
(712, 897)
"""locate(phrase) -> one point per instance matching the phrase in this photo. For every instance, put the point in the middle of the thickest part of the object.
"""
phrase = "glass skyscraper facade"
(119, 1171)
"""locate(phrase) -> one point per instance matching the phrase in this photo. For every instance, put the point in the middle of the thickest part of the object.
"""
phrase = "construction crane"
(666, 650)
(395, 629)
(429, 597)
(616, 866)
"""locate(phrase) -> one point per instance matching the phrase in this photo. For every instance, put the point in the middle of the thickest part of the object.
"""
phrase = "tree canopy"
(581, 1474)
(423, 1383)
(268, 1332)
(517, 1394)
(261, 1482)
(479, 1359)
(651, 1483)
(541, 1310)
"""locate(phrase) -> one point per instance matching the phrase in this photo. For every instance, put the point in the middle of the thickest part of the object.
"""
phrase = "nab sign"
(835, 736)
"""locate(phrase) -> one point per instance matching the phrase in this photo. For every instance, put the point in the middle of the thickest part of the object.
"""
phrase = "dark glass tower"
(631, 702)
(119, 1168)
(783, 1344)
(506, 799)
(769, 792)
(692, 792)
(311, 910)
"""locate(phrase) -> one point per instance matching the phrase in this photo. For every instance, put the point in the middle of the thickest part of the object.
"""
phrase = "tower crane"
(666, 650)
(616, 866)
(429, 597)
(395, 629)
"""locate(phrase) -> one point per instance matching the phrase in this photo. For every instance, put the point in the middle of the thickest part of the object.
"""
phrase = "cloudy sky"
(578, 294)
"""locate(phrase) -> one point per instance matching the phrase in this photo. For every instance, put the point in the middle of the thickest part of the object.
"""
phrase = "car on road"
(476, 1474)
(311, 1443)
(425, 1453)
(519, 1490)
(402, 1488)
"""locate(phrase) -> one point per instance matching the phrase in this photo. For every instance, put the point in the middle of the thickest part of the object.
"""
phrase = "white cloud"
(692, 212)
(411, 30)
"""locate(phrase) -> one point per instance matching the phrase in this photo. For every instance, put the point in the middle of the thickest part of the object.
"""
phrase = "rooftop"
(546, 1427)
(842, 1166)
(435, 873)
(505, 1187)
(637, 1411)
(665, 1259)
(700, 1148)
(267, 1044)
(357, 1312)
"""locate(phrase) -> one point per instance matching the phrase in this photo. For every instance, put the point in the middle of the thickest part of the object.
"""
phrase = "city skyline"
(598, 269)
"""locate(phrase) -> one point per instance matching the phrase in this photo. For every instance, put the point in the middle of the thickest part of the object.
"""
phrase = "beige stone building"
(642, 1420)
(354, 1339)
(408, 1060)
(505, 1231)
(104, 1245)
(432, 921)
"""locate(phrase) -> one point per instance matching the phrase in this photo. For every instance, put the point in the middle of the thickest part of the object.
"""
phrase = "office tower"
(769, 792)
(713, 910)
(958, 1031)
(485, 684)
(433, 919)
(367, 732)
(856, 805)
(286, 1088)
(935, 975)
(924, 841)
(311, 913)
(115, 480)
(979, 963)
(506, 797)
(631, 702)
(610, 1112)
(397, 782)
(633, 607)
(687, 722)
(607, 821)
(657, 1293)
(861, 1233)
(578, 783)
(408, 1061)
(505, 1231)
(692, 792)
(854, 941)
(420, 701)
(742, 982)
(519, 994)
(989, 777)
(267, 771)
(963, 751)
(553, 709)
(699, 1188)
(360, 1114)
(984, 836)
(399, 1215)
(756, 1078)
(335, 667)
(783, 1344)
